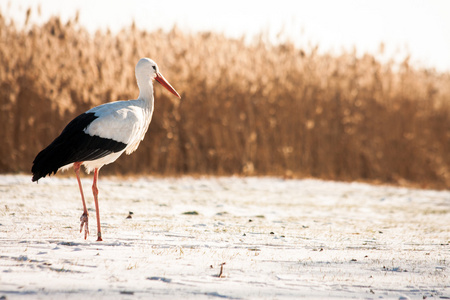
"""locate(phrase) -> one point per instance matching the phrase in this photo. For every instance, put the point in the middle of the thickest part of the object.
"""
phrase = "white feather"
(122, 121)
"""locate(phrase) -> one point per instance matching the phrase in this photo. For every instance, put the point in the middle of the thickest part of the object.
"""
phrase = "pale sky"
(418, 27)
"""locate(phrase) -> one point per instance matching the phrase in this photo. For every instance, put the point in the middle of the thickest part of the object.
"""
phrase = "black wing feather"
(73, 145)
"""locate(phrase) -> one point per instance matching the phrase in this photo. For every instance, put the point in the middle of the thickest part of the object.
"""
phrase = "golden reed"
(247, 108)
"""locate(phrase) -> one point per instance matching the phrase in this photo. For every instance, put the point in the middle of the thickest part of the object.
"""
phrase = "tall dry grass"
(247, 108)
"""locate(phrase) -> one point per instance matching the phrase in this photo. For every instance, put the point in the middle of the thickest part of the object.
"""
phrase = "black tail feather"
(45, 163)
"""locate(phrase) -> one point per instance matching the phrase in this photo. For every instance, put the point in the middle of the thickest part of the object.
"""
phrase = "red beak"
(166, 84)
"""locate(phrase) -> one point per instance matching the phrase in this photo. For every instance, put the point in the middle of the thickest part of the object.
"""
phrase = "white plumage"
(122, 121)
(100, 135)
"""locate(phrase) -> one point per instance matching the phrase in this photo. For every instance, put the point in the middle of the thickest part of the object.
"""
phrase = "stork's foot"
(84, 223)
(99, 239)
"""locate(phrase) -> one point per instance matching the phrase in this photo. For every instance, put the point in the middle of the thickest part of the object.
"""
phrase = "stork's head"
(147, 69)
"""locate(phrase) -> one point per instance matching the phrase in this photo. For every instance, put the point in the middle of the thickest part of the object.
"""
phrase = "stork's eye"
(154, 68)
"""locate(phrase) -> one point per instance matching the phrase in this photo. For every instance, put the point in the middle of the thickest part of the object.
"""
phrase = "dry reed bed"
(247, 108)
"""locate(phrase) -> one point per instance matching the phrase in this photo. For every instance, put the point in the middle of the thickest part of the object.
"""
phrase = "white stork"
(100, 135)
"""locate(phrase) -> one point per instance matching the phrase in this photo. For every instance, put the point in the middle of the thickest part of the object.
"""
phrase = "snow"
(279, 239)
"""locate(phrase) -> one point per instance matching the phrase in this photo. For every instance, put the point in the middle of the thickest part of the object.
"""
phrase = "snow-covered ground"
(278, 239)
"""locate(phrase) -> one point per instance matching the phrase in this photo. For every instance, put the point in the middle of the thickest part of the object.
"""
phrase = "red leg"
(97, 211)
(85, 216)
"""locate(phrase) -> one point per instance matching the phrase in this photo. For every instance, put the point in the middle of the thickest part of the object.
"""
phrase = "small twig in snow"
(221, 271)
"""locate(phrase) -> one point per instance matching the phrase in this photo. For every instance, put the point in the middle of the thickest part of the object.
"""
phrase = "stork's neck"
(146, 91)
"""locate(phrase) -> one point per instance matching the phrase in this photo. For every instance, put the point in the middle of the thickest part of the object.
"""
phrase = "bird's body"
(97, 137)
(100, 135)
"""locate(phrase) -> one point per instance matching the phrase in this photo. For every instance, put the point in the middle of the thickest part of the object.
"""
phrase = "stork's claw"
(84, 223)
